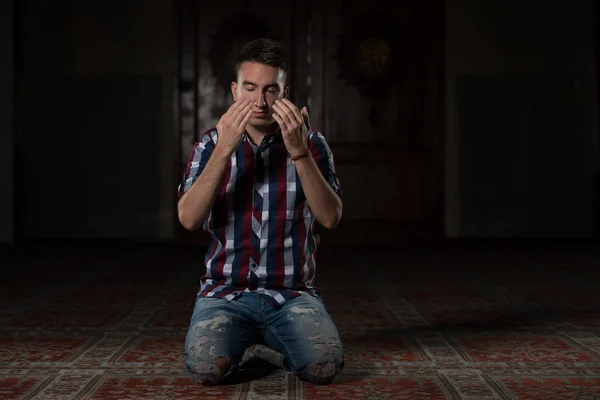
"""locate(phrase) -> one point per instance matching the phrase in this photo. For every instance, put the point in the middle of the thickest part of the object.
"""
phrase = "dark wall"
(96, 140)
(95, 119)
(6, 120)
(521, 119)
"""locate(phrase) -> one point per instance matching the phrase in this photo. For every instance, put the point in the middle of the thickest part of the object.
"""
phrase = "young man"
(256, 184)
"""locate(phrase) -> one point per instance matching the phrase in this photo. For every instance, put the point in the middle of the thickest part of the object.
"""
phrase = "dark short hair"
(264, 51)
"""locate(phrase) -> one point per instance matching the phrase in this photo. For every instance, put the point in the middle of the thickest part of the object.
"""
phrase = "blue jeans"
(301, 329)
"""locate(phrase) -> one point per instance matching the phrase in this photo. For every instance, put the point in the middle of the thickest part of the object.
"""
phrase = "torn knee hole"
(211, 370)
(222, 364)
(323, 372)
(198, 346)
(326, 368)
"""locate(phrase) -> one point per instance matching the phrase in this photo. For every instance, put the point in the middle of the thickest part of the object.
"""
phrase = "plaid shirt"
(260, 224)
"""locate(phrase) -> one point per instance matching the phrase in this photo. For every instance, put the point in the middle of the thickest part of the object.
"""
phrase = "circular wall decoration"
(227, 42)
(368, 52)
(371, 56)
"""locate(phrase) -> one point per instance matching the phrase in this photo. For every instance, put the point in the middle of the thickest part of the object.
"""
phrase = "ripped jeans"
(300, 329)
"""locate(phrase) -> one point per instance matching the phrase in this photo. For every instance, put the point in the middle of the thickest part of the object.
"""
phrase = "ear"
(234, 90)
(286, 92)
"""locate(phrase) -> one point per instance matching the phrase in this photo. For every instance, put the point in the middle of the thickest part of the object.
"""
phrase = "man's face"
(262, 85)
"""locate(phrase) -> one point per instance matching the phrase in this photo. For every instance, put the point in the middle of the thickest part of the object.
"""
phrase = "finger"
(237, 107)
(285, 116)
(239, 111)
(294, 110)
(282, 118)
(244, 116)
(290, 105)
(247, 117)
(242, 113)
(280, 122)
(305, 117)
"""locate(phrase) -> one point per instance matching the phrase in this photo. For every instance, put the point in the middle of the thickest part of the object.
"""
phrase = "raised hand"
(294, 125)
(232, 125)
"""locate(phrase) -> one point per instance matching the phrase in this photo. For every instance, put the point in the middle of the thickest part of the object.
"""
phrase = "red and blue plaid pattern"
(261, 226)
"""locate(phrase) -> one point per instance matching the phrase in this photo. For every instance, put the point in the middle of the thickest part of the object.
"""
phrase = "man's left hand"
(294, 125)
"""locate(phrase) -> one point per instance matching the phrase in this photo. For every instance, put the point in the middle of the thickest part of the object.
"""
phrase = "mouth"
(259, 114)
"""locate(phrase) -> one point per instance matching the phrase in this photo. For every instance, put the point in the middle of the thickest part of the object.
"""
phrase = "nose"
(260, 101)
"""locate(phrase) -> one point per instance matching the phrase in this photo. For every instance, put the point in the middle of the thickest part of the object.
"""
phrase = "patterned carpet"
(469, 321)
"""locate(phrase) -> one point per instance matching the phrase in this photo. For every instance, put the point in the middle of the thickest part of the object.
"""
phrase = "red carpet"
(493, 322)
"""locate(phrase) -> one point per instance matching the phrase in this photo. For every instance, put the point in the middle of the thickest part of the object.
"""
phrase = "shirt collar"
(271, 137)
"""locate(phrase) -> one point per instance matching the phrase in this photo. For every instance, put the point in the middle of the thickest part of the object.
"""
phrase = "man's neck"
(257, 134)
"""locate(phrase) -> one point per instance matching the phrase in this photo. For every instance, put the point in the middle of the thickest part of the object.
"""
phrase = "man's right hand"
(232, 125)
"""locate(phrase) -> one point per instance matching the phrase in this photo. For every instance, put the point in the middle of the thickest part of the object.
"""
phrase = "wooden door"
(377, 92)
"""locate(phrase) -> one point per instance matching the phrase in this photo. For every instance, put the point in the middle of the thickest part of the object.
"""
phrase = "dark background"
(465, 135)
(482, 124)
